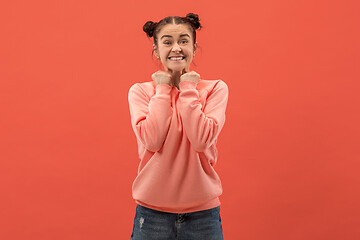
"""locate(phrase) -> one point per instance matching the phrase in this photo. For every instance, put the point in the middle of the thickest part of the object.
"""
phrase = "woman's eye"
(184, 41)
(167, 43)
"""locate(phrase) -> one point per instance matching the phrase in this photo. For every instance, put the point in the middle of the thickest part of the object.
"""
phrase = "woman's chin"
(177, 68)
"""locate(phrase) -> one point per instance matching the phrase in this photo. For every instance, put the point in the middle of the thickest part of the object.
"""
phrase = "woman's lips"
(176, 58)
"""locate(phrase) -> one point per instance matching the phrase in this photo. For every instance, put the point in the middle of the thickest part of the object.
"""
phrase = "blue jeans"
(150, 224)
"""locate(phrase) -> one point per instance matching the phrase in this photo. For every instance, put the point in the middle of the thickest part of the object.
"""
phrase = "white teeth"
(176, 58)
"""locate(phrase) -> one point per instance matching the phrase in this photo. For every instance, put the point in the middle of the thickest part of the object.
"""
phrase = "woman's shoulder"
(146, 87)
(208, 85)
(211, 85)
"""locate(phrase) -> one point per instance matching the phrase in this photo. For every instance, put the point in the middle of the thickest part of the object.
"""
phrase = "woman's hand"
(190, 76)
(161, 77)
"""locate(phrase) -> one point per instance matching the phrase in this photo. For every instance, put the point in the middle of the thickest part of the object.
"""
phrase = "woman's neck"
(175, 79)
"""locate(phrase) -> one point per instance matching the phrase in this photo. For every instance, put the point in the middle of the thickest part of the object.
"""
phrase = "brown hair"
(152, 28)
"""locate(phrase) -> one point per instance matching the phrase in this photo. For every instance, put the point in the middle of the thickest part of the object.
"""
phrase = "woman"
(177, 118)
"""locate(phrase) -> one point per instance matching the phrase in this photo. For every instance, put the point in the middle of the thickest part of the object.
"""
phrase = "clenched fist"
(161, 77)
(190, 76)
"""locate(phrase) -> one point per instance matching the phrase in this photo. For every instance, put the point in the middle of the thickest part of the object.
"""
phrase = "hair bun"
(149, 28)
(194, 20)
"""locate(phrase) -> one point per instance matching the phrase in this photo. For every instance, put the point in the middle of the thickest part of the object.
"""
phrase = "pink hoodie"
(176, 132)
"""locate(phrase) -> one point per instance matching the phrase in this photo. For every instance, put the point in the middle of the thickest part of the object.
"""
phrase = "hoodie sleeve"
(202, 127)
(150, 117)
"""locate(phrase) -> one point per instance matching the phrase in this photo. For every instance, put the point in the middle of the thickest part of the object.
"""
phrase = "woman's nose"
(176, 48)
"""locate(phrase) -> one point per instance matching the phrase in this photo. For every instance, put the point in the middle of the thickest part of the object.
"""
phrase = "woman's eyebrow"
(182, 35)
(166, 36)
(185, 35)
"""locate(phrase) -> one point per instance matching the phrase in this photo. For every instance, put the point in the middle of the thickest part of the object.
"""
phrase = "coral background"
(289, 155)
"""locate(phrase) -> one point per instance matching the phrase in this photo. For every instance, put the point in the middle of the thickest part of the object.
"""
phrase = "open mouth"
(176, 58)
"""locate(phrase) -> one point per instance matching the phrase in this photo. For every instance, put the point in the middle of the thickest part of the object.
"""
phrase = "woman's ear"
(195, 47)
(156, 52)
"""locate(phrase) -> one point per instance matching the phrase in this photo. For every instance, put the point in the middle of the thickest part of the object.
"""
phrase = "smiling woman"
(176, 48)
(174, 38)
(177, 118)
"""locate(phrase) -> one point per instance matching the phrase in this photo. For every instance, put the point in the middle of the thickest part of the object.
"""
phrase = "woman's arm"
(150, 118)
(202, 127)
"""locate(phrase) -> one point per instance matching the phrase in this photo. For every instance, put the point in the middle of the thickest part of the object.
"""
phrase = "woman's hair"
(152, 28)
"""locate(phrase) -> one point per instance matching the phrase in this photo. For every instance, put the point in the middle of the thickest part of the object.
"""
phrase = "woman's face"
(175, 40)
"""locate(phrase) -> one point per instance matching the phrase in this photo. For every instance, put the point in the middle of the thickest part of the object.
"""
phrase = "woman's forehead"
(175, 30)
